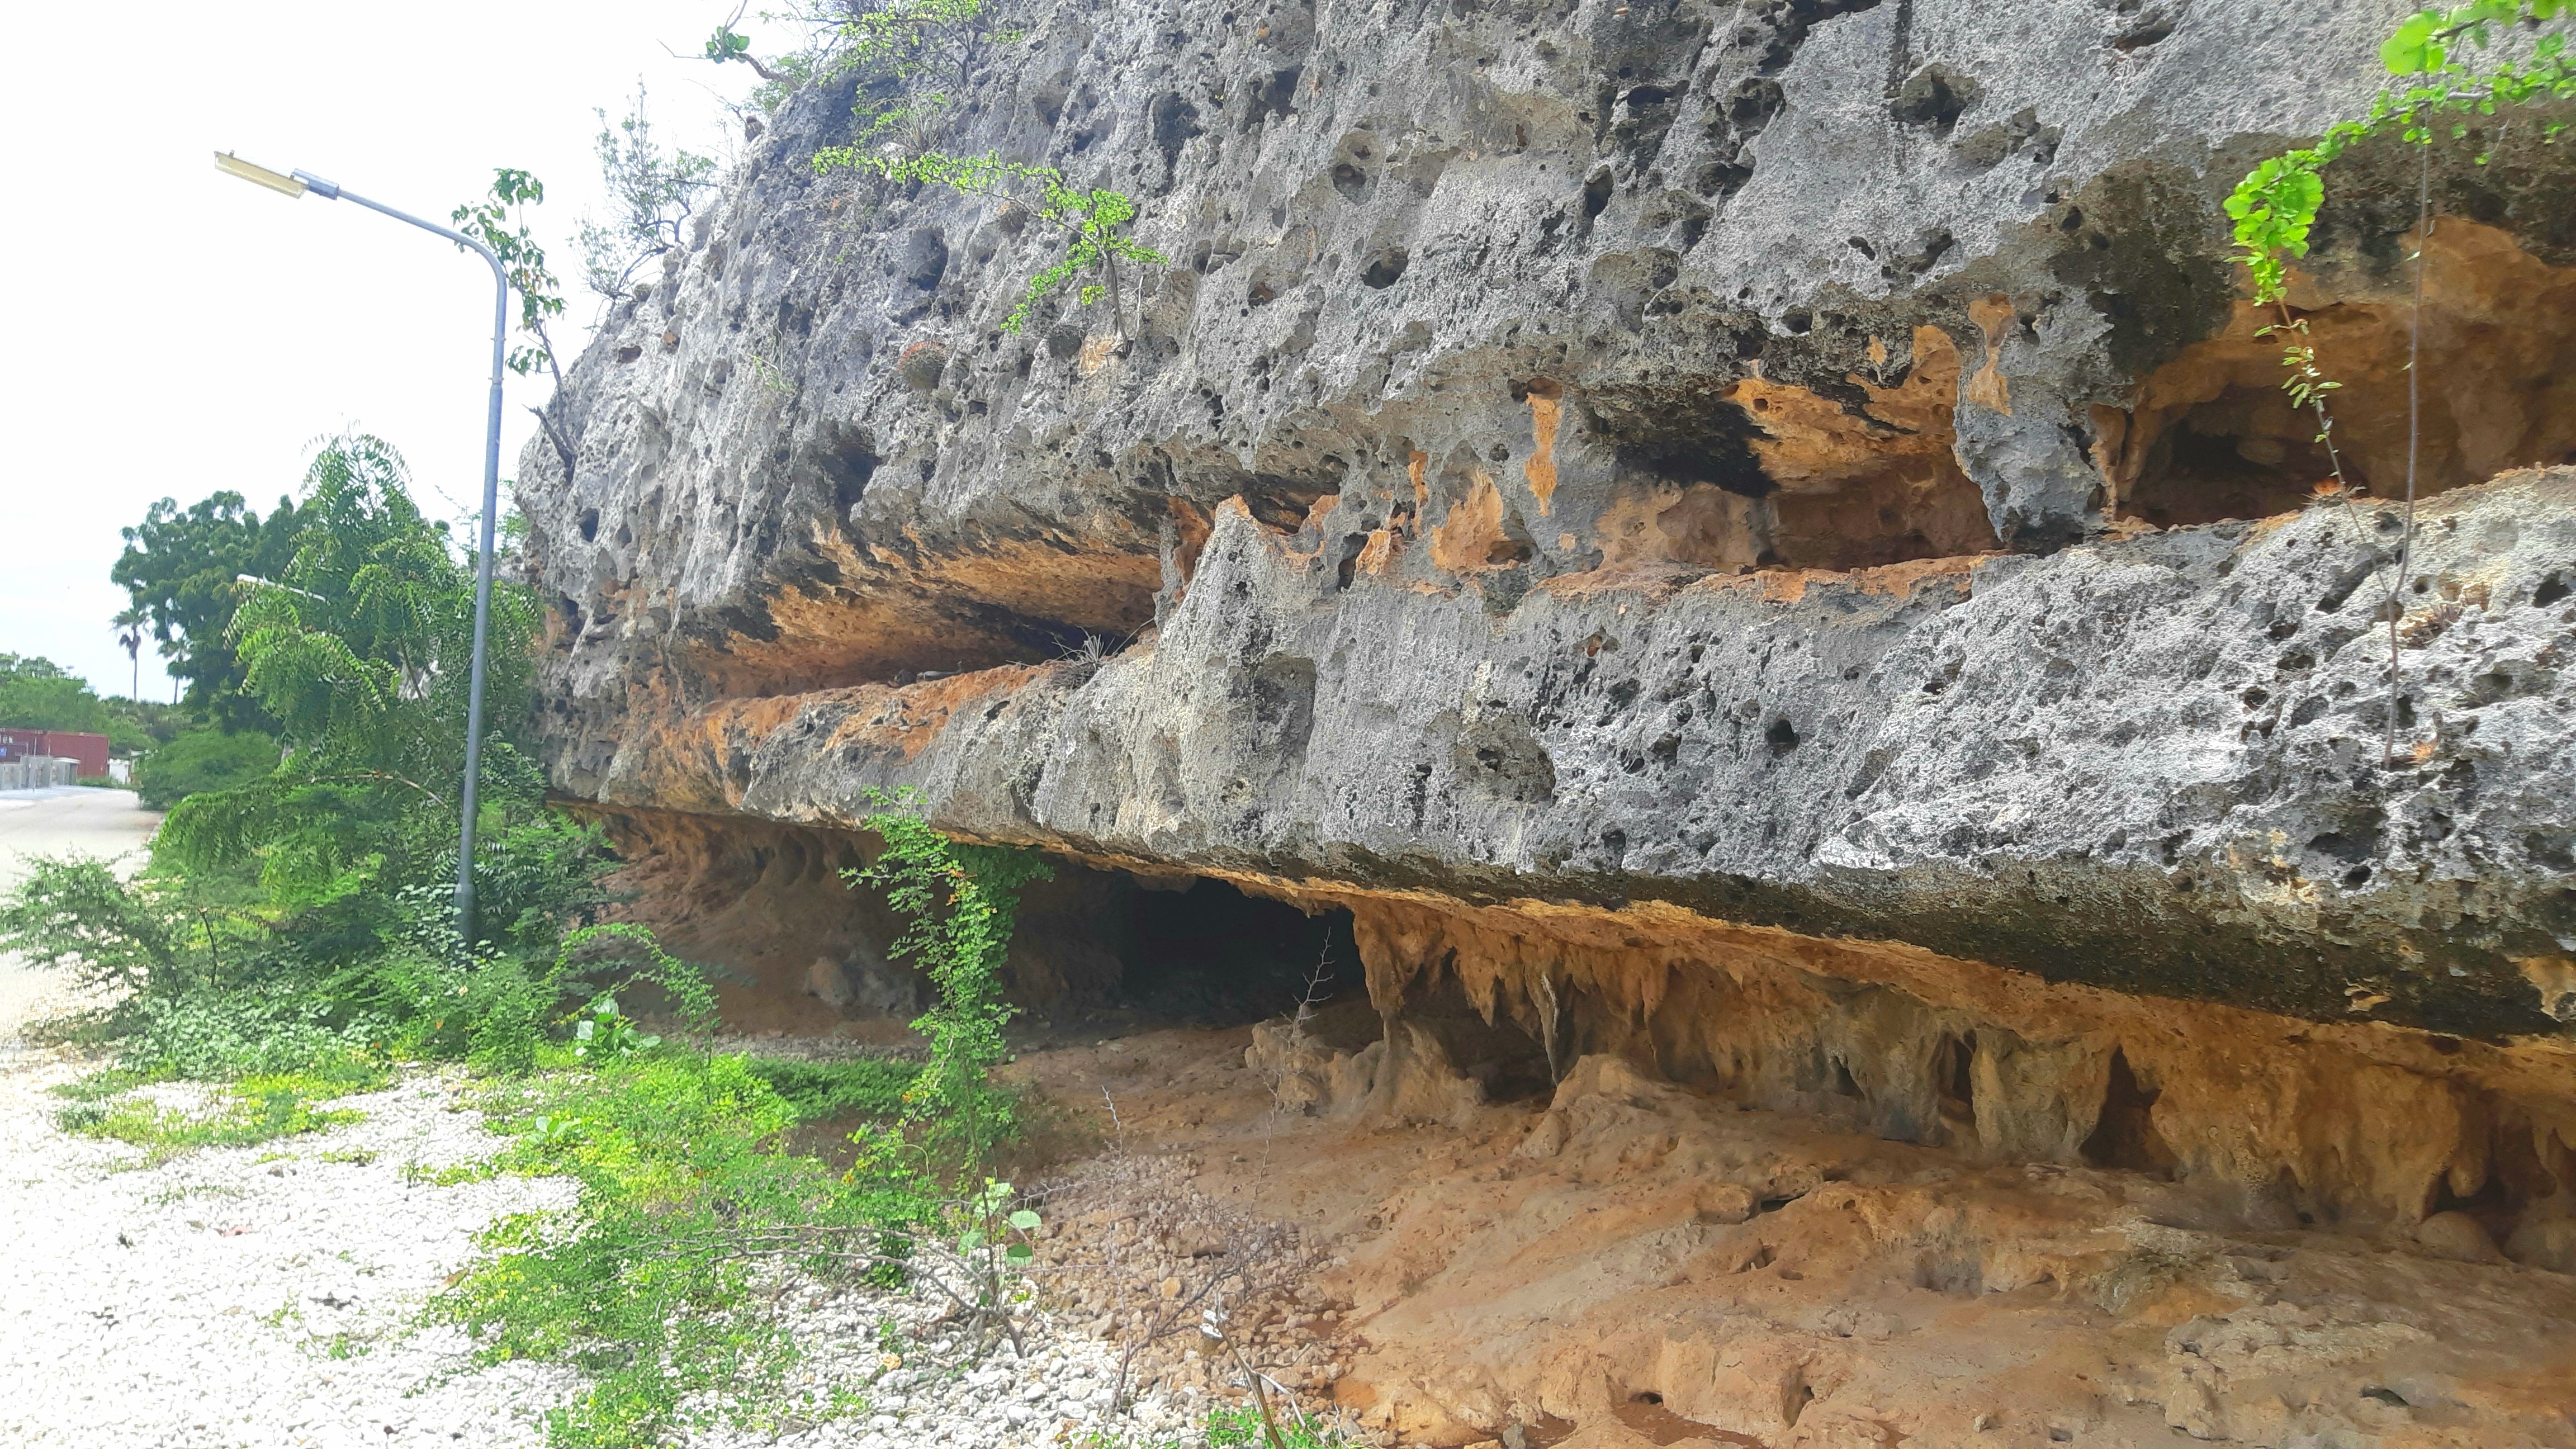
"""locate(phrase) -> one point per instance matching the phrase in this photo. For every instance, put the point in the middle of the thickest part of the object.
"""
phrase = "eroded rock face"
(2148, 764)
(1758, 539)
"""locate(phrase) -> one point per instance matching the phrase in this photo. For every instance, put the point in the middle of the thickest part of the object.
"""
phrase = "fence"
(36, 772)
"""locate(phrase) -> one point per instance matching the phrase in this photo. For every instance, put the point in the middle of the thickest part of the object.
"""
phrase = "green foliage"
(499, 220)
(866, 1087)
(651, 1284)
(202, 759)
(359, 651)
(600, 1032)
(304, 914)
(2275, 207)
(661, 1284)
(182, 567)
(1092, 223)
(651, 192)
(1240, 1427)
(961, 903)
(902, 50)
(247, 1112)
(38, 694)
(908, 54)
(155, 938)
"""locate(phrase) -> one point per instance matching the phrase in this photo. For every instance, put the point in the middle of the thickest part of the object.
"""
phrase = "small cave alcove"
(1201, 951)
(2491, 360)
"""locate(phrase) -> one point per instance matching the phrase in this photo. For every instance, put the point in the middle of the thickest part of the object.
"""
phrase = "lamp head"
(233, 165)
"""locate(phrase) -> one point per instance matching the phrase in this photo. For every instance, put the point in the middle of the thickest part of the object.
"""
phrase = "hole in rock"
(1206, 952)
(1385, 270)
(1782, 736)
(801, 952)
(2124, 1134)
(2214, 437)
(1954, 1081)
(1646, 1416)
(1762, 474)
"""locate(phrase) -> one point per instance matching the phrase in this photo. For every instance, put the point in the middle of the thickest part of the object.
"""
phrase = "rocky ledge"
(1762, 538)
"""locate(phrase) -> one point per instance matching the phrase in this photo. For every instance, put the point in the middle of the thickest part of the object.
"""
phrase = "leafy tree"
(359, 651)
(652, 191)
(202, 759)
(182, 568)
(499, 220)
(38, 694)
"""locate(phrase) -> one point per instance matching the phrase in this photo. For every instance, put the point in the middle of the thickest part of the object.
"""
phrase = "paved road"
(105, 823)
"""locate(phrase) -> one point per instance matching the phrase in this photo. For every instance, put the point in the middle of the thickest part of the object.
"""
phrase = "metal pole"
(330, 190)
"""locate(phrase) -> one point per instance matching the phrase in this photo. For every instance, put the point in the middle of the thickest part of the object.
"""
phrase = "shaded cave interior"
(1102, 953)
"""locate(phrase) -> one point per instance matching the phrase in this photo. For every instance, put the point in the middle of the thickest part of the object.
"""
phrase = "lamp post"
(297, 184)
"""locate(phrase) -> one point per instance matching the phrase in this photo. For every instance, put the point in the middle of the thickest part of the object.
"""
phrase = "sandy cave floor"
(1633, 1264)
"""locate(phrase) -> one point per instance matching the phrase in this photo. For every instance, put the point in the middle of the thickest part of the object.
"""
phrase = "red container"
(90, 751)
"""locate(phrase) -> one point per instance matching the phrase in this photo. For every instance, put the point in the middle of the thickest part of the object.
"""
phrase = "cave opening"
(2243, 454)
(1954, 1085)
(2124, 1133)
(1202, 951)
(2213, 436)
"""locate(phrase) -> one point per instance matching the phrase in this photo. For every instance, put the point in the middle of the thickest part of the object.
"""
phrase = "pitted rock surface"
(1693, 452)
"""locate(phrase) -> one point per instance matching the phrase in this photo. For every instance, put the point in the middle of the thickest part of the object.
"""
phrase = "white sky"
(178, 332)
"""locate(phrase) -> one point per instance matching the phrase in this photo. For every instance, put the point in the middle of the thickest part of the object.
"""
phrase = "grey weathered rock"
(1550, 354)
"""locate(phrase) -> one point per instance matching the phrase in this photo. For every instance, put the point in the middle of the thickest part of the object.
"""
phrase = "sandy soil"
(1625, 1263)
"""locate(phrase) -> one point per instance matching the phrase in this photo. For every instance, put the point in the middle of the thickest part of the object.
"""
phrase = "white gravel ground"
(223, 1300)
(268, 1296)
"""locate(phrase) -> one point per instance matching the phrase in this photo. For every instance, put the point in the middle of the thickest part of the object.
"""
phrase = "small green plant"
(996, 1242)
(909, 55)
(601, 1032)
(870, 1088)
(2273, 211)
(499, 220)
(961, 903)
(1243, 1427)
(244, 1113)
(1090, 222)
(650, 1284)
(652, 193)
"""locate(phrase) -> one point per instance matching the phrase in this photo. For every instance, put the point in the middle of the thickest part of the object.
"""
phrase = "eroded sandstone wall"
(1717, 485)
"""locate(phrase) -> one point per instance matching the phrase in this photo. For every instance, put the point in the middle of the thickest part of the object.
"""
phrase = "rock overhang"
(2152, 764)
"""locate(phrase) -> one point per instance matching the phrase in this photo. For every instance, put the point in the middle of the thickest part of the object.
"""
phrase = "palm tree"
(129, 632)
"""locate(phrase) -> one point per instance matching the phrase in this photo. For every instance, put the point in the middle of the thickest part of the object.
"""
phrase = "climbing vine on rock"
(2449, 65)
(1091, 222)
(910, 54)
(961, 902)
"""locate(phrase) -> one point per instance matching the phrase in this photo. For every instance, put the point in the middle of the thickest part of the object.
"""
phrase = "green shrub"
(202, 759)
(649, 1285)
(252, 1110)
(871, 1088)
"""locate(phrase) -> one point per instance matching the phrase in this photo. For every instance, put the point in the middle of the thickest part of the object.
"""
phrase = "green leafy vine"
(911, 54)
(2273, 211)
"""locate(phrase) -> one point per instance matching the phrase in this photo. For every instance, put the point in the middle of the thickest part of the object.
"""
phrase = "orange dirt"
(1636, 1264)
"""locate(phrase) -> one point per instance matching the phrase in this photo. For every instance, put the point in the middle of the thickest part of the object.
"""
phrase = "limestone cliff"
(1755, 538)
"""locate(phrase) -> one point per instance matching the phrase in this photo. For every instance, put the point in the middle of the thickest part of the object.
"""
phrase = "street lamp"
(297, 184)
